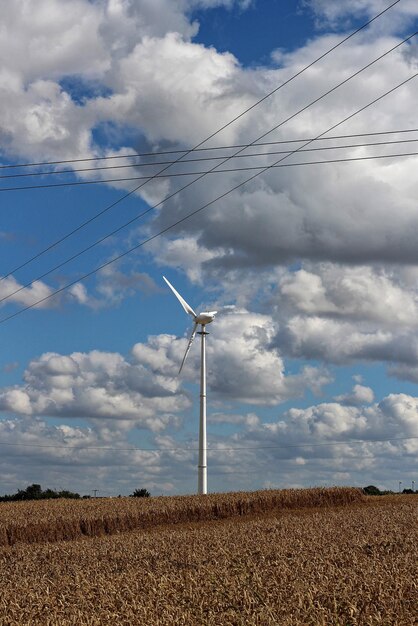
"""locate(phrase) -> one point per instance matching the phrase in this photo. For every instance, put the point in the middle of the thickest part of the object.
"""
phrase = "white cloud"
(79, 293)
(145, 392)
(340, 12)
(250, 420)
(84, 458)
(158, 354)
(169, 89)
(359, 395)
(341, 314)
(12, 291)
(395, 417)
(289, 451)
(133, 49)
(43, 38)
(184, 253)
(352, 213)
(315, 445)
(95, 385)
(242, 365)
(42, 122)
(365, 293)
(403, 409)
(174, 90)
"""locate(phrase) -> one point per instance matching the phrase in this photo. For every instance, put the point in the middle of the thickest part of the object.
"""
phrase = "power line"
(198, 160)
(186, 217)
(223, 171)
(209, 449)
(128, 194)
(208, 149)
(264, 169)
(261, 468)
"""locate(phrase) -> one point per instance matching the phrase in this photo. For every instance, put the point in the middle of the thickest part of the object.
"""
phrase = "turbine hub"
(206, 317)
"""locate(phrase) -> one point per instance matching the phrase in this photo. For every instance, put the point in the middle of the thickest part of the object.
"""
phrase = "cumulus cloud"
(134, 52)
(366, 293)
(359, 395)
(354, 213)
(342, 314)
(302, 446)
(43, 38)
(394, 417)
(290, 450)
(85, 458)
(249, 419)
(112, 287)
(79, 293)
(144, 391)
(341, 13)
(11, 291)
(242, 365)
(95, 385)
(368, 214)
(172, 90)
(188, 84)
(329, 442)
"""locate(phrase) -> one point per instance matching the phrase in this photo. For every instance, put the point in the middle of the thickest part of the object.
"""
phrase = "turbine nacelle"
(206, 317)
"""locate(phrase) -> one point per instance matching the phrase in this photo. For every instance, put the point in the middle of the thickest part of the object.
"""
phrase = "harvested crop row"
(53, 520)
(351, 566)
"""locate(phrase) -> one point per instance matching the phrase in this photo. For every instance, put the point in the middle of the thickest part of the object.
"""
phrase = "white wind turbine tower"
(204, 318)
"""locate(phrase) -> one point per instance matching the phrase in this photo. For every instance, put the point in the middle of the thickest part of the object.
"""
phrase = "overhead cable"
(204, 172)
(207, 149)
(209, 449)
(198, 160)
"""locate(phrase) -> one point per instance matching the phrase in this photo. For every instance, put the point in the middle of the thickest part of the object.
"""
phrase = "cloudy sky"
(313, 267)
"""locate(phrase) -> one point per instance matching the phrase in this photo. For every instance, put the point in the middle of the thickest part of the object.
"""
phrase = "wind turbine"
(204, 318)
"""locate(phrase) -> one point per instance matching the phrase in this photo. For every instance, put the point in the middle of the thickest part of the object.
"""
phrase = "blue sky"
(252, 33)
(313, 269)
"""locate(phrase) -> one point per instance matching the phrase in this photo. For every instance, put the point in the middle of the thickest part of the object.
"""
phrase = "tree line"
(35, 492)
(372, 490)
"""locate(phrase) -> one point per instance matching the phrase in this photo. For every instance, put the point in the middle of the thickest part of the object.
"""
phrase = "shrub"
(140, 493)
(371, 490)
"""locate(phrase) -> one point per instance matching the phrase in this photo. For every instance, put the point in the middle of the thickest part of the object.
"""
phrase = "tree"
(35, 492)
(371, 490)
(140, 493)
(32, 492)
(67, 494)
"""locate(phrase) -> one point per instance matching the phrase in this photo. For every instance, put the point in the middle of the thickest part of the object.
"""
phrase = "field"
(346, 563)
(52, 520)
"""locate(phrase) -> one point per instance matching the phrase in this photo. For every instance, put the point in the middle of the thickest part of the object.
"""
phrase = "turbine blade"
(182, 301)
(192, 336)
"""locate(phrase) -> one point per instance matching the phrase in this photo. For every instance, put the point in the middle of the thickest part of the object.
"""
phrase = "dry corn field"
(347, 564)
